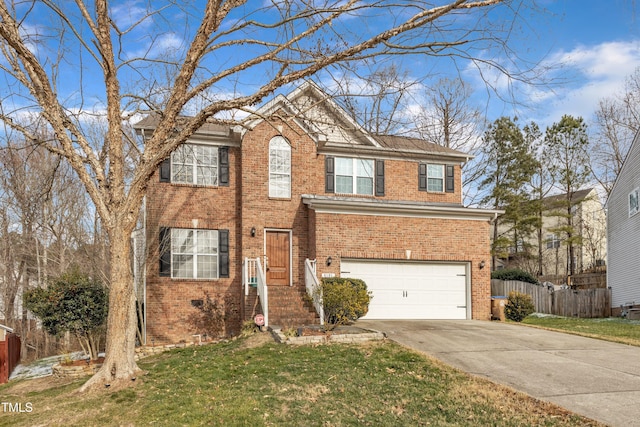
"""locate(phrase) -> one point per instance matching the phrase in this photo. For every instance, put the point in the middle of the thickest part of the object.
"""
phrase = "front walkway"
(594, 378)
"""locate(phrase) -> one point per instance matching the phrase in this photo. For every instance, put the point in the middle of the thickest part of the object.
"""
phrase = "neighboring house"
(304, 192)
(623, 226)
(589, 223)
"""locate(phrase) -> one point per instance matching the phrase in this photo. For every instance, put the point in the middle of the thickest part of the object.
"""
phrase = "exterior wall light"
(253, 232)
(482, 264)
(329, 261)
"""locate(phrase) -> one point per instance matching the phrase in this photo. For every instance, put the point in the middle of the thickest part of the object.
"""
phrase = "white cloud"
(594, 72)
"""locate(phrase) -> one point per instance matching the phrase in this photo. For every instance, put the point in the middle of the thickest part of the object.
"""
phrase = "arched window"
(279, 168)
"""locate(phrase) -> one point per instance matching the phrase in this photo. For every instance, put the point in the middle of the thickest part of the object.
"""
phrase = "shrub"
(75, 303)
(518, 306)
(514, 274)
(344, 300)
(209, 318)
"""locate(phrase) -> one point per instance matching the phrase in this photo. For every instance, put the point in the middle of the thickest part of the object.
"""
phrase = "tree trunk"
(119, 365)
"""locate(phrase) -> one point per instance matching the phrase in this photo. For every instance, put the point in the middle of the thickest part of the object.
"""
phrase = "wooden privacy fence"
(9, 356)
(562, 302)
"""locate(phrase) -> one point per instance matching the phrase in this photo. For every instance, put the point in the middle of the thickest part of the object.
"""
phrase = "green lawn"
(238, 383)
(611, 329)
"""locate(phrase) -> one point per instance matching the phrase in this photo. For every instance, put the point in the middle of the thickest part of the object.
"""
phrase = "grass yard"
(248, 382)
(611, 329)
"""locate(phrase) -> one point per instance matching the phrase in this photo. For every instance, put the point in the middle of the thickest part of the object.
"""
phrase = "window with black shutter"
(450, 180)
(165, 170)
(165, 252)
(223, 169)
(380, 178)
(223, 242)
(329, 181)
(422, 177)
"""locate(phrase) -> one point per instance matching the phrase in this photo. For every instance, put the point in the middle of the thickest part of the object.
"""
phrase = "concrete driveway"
(594, 378)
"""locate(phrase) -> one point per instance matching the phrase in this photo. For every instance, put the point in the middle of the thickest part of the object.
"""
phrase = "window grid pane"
(194, 253)
(354, 176)
(344, 184)
(195, 164)
(435, 178)
(279, 168)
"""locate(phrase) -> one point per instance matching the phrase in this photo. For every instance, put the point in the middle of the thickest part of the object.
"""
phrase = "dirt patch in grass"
(257, 339)
(23, 387)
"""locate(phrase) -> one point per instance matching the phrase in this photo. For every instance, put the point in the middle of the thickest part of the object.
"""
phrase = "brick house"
(253, 216)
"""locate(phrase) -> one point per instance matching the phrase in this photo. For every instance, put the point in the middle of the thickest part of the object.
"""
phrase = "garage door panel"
(412, 290)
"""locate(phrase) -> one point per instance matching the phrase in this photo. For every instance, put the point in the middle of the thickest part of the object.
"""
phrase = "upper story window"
(436, 178)
(634, 202)
(553, 241)
(354, 176)
(195, 164)
(349, 175)
(279, 168)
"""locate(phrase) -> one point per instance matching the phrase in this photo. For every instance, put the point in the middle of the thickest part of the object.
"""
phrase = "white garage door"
(412, 290)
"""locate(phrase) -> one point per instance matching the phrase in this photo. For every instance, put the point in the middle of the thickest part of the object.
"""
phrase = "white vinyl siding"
(194, 254)
(623, 234)
(195, 164)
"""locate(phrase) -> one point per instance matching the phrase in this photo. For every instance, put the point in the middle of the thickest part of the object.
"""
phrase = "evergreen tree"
(567, 151)
(511, 164)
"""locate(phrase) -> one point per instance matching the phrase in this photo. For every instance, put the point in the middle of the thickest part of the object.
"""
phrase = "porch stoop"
(287, 306)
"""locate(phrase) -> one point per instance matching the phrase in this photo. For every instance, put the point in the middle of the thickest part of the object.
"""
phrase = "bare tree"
(617, 120)
(211, 53)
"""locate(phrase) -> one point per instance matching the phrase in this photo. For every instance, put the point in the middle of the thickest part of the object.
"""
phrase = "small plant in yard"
(72, 303)
(344, 301)
(518, 306)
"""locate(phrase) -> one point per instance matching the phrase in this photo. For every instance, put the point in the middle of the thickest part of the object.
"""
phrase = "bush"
(514, 274)
(344, 300)
(518, 306)
(75, 303)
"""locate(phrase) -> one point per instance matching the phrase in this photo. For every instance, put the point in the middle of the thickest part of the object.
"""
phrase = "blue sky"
(593, 45)
(597, 44)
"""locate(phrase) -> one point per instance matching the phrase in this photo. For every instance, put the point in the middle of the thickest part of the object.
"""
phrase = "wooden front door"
(278, 258)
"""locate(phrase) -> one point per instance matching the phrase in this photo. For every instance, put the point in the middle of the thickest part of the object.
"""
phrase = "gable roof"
(576, 197)
(408, 144)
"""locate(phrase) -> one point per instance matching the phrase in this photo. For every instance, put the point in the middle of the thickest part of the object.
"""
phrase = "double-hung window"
(195, 164)
(354, 176)
(279, 168)
(634, 202)
(553, 241)
(194, 254)
(435, 178)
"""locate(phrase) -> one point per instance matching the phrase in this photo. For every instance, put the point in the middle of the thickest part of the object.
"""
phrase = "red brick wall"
(429, 239)
(168, 301)
(246, 204)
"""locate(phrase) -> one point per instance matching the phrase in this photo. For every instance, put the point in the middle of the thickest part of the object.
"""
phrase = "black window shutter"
(379, 177)
(165, 170)
(329, 179)
(223, 167)
(449, 181)
(165, 252)
(223, 252)
(422, 177)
